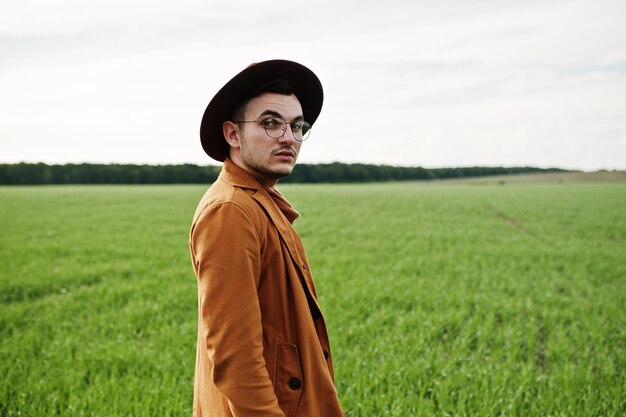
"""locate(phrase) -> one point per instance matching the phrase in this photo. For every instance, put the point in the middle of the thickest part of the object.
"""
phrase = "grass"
(445, 299)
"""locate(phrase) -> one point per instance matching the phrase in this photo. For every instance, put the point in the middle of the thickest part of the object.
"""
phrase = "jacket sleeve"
(226, 250)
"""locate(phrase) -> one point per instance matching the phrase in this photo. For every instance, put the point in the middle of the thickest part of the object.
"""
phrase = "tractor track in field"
(516, 224)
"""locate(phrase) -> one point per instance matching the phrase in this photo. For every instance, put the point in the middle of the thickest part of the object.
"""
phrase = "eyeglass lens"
(276, 127)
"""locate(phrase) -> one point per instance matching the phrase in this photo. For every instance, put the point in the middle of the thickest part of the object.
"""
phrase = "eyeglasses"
(275, 128)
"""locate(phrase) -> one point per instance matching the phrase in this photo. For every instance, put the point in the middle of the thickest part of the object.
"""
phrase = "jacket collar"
(239, 177)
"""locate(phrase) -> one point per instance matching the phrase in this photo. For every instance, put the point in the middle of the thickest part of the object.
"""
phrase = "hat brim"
(308, 90)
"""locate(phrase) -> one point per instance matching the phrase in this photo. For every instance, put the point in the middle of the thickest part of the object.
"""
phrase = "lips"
(285, 154)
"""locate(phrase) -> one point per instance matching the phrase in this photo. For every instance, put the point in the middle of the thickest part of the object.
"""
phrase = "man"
(263, 349)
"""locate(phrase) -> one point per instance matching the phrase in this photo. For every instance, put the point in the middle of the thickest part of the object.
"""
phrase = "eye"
(272, 123)
(297, 126)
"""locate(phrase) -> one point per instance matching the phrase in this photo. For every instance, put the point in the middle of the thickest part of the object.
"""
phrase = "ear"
(231, 134)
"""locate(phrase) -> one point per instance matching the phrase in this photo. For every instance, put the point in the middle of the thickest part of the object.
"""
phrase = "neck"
(264, 179)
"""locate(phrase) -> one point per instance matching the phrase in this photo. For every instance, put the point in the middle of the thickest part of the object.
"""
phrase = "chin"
(275, 172)
(278, 174)
(283, 169)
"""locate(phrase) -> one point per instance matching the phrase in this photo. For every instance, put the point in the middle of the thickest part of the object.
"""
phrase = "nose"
(287, 137)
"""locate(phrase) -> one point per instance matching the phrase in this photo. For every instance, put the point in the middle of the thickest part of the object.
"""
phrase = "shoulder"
(224, 202)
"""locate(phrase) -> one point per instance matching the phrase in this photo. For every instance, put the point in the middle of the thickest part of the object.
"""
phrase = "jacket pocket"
(289, 382)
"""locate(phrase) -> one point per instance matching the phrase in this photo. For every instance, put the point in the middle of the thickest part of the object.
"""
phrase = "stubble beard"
(253, 162)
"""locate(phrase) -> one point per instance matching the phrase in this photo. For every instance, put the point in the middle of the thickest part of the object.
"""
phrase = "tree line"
(31, 174)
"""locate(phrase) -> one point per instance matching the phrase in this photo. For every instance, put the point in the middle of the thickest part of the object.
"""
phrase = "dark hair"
(277, 86)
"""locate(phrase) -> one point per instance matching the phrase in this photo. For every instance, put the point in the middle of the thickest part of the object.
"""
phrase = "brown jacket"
(263, 349)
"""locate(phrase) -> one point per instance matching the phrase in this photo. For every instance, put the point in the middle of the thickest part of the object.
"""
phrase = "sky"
(413, 83)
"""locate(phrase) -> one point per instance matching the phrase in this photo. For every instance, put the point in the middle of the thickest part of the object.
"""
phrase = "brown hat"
(308, 90)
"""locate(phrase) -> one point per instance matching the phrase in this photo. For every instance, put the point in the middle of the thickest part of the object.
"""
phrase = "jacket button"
(295, 383)
(304, 266)
(325, 355)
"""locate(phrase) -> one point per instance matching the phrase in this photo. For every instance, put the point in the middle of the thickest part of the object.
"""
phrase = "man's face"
(271, 158)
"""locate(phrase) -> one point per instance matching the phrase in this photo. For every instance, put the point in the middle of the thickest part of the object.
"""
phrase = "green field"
(441, 299)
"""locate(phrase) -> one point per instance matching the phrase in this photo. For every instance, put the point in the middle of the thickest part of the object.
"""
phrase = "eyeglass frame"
(285, 123)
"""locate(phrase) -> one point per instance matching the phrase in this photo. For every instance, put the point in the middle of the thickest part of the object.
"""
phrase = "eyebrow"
(276, 114)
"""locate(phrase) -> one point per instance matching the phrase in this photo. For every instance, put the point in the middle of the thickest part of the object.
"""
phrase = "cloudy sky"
(415, 83)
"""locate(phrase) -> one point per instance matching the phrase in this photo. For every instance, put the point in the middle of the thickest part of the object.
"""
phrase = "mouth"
(285, 155)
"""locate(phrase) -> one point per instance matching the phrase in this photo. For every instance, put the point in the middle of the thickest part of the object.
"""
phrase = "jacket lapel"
(238, 177)
(285, 230)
